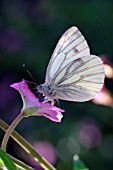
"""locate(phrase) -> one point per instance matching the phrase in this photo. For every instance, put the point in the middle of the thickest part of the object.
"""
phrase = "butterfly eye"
(40, 88)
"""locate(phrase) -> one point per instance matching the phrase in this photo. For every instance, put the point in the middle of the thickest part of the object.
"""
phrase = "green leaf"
(1, 163)
(7, 160)
(78, 164)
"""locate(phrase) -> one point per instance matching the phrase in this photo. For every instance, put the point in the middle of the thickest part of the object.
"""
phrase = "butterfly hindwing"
(84, 83)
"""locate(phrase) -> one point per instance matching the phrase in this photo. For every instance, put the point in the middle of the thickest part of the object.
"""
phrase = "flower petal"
(51, 112)
(55, 116)
(29, 99)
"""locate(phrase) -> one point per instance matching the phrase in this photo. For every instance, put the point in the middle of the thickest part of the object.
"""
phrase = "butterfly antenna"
(31, 82)
(24, 66)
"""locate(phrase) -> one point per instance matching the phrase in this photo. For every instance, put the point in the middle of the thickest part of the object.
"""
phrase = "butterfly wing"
(72, 72)
(82, 81)
(72, 45)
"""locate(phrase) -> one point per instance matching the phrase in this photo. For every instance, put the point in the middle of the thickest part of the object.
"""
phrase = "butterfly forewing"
(72, 72)
(72, 45)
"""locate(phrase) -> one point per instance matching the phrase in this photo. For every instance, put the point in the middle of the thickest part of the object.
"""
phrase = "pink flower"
(32, 106)
(104, 97)
(108, 67)
(104, 58)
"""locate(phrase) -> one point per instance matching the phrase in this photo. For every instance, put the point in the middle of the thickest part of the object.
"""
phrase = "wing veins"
(66, 73)
(83, 88)
(58, 53)
(71, 43)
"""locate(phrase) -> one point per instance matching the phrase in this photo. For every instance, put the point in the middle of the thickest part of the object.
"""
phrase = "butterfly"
(72, 74)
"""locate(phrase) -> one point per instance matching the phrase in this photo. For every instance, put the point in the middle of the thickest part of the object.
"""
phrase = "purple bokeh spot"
(90, 136)
(10, 39)
(47, 150)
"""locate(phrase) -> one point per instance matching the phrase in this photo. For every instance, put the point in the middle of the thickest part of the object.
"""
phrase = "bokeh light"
(45, 149)
(90, 136)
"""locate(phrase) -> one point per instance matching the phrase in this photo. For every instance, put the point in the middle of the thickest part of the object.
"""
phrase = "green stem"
(27, 147)
(10, 130)
(21, 164)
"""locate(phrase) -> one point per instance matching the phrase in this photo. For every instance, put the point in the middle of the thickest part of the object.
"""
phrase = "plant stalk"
(10, 130)
(27, 147)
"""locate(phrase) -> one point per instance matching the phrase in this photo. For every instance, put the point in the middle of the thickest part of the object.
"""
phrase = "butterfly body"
(49, 92)
(72, 74)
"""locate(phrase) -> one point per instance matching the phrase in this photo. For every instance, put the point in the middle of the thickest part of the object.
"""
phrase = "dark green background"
(29, 31)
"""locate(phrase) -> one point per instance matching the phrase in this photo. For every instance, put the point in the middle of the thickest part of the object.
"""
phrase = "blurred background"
(29, 31)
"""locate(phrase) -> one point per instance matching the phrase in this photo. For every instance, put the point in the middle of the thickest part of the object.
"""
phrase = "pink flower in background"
(104, 97)
(46, 150)
(108, 67)
(104, 58)
(32, 106)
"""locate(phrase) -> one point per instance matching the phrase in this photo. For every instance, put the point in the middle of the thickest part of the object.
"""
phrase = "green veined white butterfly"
(72, 73)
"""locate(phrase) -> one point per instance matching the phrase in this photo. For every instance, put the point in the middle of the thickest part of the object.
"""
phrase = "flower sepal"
(31, 111)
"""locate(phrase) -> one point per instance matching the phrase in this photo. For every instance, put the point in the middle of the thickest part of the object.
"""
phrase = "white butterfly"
(72, 73)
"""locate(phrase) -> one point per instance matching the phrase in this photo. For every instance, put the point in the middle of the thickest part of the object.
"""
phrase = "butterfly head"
(42, 88)
(47, 91)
